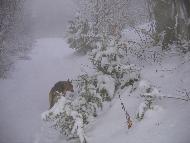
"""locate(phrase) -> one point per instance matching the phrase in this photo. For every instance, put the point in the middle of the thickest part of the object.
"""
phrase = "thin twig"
(176, 98)
(127, 116)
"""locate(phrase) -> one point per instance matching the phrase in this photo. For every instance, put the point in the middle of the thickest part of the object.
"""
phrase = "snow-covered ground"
(168, 122)
(24, 96)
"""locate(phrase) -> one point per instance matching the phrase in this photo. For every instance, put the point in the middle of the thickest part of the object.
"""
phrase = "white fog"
(51, 17)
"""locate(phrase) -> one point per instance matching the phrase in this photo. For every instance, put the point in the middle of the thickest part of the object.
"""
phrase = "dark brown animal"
(59, 89)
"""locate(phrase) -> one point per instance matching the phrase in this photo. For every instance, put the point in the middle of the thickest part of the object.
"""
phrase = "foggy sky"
(51, 16)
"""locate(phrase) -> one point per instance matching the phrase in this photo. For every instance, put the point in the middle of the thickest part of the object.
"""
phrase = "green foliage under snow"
(72, 112)
(111, 59)
(80, 36)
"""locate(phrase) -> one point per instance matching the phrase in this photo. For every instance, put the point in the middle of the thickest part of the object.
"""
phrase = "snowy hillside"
(24, 97)
(168, 122)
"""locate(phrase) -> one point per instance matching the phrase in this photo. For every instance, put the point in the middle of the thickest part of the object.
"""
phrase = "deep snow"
(168, 122)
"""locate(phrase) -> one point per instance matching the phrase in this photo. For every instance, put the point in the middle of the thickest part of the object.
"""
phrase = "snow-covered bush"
(72, 112)
(80, 36)
(105, 87)
(110, 58)
(144, 46)
(87, 87)
(149, 94)
(63, 116)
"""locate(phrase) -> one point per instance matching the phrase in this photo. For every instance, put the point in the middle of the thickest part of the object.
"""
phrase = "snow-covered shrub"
(77, 32)
(105, 87)
(72, 112)
(108, 52)
(63, 116)
(110, 58)
(87, 87)
(144, 46)
(141, 111)
(130, 75)
(149, 94)
(80, 36)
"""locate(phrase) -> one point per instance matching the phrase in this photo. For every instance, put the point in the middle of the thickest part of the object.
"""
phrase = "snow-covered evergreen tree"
(73, 112)
(96, 18)
(79, 35)
(107, 16)
(111, 58)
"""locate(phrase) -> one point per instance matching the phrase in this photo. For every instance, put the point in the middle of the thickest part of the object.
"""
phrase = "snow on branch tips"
(74, 111)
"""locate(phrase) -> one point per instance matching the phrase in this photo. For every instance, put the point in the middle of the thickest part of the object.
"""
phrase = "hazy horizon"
(51, 17)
